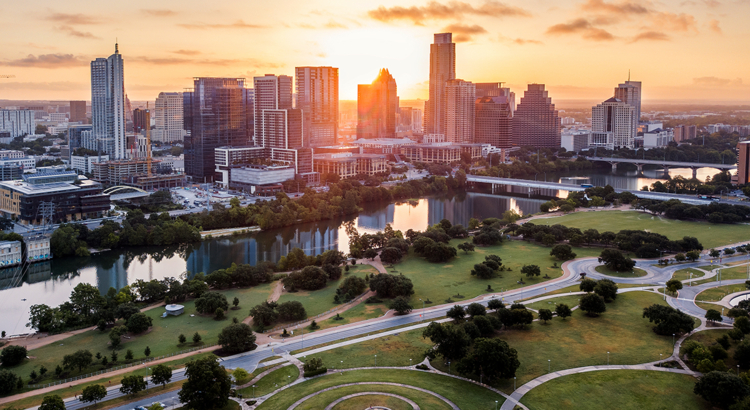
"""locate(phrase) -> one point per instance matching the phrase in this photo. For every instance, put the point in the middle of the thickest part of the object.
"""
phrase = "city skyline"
(578, 48)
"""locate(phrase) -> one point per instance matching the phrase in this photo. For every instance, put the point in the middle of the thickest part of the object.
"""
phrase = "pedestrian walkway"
(406, 386)
(372, 393)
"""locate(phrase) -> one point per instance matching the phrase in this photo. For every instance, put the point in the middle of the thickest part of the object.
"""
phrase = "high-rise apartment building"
(168, 118)
(630, 93)
(416, 121)
(613, 124)
(493, 122)
(78, 111)
(17, 122)
(743, 162)
(141, 120)
(535, 120)
(459, 111)
(318, 97)
(215, 115)
(108, 104)
(271, 93)
(377, 104)
(442, 69)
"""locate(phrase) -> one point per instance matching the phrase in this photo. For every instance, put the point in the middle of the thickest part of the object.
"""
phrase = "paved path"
(406, 386)
(375, 393)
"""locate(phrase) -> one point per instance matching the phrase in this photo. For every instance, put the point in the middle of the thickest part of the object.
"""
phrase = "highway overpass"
(662, 163)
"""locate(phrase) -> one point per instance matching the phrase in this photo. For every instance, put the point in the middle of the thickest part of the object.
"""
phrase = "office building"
(657, 138)
(141, 120)
(743, 162)
(78, 112)
(215, 115)
(416, 121)
(574, 140)
(81, 136)
(613, 124)
(271, 92)
(27, 164)
(442, 69)
(496, 90)
(85, 163)
(299, 159)
(535, 120)
(17, 122)
(348, 165)
(404, 119)
(629, 92)
(168, 118)
(684, 132)
(318, 98)
(377, 105)
(444, 152)
(493, 122)
(5, 137)
(108, 106)
(38, 247)
(459, 111)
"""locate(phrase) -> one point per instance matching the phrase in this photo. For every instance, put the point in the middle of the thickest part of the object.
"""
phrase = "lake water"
(51, 282)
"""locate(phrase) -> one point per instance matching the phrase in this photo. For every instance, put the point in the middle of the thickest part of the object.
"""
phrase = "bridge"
(664, 164)
(115, 192)
(531, 185)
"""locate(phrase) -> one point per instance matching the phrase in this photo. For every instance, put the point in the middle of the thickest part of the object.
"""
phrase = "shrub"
(12, 355)
(210, 301)
(316, 372)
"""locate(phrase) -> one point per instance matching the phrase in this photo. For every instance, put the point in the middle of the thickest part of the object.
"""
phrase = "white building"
(460, 98)
(10, 154)
(84, 164)
(657, 138)
(613, 124)
(58, 117)
(108, 105)
(17, 122)
(38, 248)
(575, 140)
(28, 164)
(168, 119)
(10, 253)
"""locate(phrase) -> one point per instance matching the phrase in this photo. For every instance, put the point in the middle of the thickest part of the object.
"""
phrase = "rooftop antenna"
(628, 74)
(117, 51)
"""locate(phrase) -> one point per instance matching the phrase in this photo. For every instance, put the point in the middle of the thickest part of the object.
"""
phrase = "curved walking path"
(406, 386)
(373, 393)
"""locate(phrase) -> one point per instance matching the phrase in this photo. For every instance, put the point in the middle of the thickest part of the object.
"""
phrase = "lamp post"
(495, 404)
(449, 367)
(738, 370)
(253, 391)
(549, 365)
(409, 362)
(514, 383)
(607, 358)
(673, 340)
(659, 359)
(376, 360)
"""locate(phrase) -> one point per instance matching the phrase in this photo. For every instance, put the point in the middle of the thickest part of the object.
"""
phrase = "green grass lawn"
(620, 389)
(161, 338)
(717, 293)
(635, 273)
(362, 402)
(739, 272)
(272, 381)
(710, 235)
(684, 274)
(465, 395)
(320, 301)
(550, 304)
(437, 282)
(708, 338)
(362, 311)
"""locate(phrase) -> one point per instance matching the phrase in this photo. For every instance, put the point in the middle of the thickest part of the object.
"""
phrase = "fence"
(125, 366)
(288, 325)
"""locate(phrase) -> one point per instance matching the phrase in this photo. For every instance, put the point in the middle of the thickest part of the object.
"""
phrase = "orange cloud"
(584, 28)
(187, 52)
(518, 41)
(46, 61)
(677, 22)
(75, 33)
(67, 19)
(239, 24)
(624, 7)
(717, 82)
(714, 26)
(453, 10)
(158, 12)
(651, 35)
(464, 33)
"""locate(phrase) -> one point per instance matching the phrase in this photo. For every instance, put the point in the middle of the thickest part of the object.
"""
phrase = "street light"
(673, 340)
(449, 367)
(738, 370)
(659, 359)
(421, 319)
(514, 383)
(253, 391)
(409, 362)
(376, 360)
(607, 358)
(549, 365)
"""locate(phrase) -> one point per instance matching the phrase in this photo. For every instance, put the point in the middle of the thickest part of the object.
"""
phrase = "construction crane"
(7, 76)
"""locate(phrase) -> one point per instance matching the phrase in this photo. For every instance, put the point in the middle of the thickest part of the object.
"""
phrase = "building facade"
(17, 122)
(168, 118)
(141, 120)
(348, 165)
(10, 253)
(78, 112)
(271, 92)
(85, 164)
(318, 98)
(613, 124)
(493, 123)
(685, 132)
(535, 121)
(459, 111)
(444, 152)
(442, 69)
(108, 104)
(743, 162)
(377, 106)
(38, 248)
(629, 92)
(575, 141)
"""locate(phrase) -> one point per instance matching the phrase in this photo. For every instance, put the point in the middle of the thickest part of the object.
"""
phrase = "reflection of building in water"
(493, 206)
(457, 211)
(39, 272)
(317, 241)
(218, 254)
(114, 277)
(11, 277)
(378, 219)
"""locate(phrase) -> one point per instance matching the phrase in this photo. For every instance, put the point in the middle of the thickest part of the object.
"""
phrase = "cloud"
(676, 22)
(584, 28)
(438, 11)
(714, 26)
(651, 35)
(187, 52)
(622, 8)
(518, 41)
(75, 33)
(239, 24)
(334, 24)
(717, 82)
(44, 86)
(158, 12)
(712, 3)
(68, 19)
(464, 33)
(46, 61)
(201, 61)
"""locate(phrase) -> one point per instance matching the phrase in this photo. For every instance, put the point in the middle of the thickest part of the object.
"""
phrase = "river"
(51, 282)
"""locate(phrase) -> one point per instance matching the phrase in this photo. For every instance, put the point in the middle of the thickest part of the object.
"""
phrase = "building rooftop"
(384, 141)
(38, 189)
(346, 156)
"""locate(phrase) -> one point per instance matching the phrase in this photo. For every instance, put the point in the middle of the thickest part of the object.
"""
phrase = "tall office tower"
(442, 69)
(108, 105)
(459, 111)
(613, 124)
(743, 162)
(271, 93)
(79, 136)
(141, 120)
(493, 123)
(214, 114)
(283, 128)
(168, 118)
(630, 92)
(416, 120)
(535, 120)
(497, 90)
(78, 111)
(404, 118)
(377, 104)
(318, 97)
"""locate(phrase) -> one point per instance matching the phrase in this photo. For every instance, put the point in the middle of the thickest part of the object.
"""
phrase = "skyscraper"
(78, 111)
(271, 93)
(613, 124)
(377, 104)
(496, 90)
(168, 116)
(493, 122)
(442, 69)
(535, 120)
(459, 111)
(629, 92)
(215, 115)
(743, 162)
(141, 120)
(108, 104)
(318, 97)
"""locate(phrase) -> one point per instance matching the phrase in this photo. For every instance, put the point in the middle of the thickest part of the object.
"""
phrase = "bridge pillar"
(666, 169)
(695, 172)
(614, 167)
(640, 168)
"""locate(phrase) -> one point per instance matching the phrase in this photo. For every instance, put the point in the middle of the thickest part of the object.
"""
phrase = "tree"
(545, 315)
(237, 338)
(292, 310)
(196, 338)
(743, 324)
(236, 302)
(680, 257)
(114, 356)
(210, 301)
(129, 355)
(742, 353)
(401, 305)
(208, 385)
(126, 310)
(475, 309)
(490, 358)
(495, 304)
(240, 375)
(219, 314)
(721, 389)
(12, 355)
(309, 278)
(312, 364)
(8, 381)
(52, 403)
(263, 315)
(161, 374)
(353, 285)
(451, 342)
(439, 252)
(615, 260)
(606, 289)
(181, 339)
(482, 271)
(139, 323)
(466, 247)
(132, 384)
(668, 320)
(592, 304)
(80, 360)
(713, 315)
(563, 252)
(370, 254)
(693, 255)
(93, 393)
(390, 255)
(673, 285)
(390, 286)
(563, 311)
(457, 313)
(714, 253)
(521, 317)
(147, 351)
(587, 285)
(531, 270)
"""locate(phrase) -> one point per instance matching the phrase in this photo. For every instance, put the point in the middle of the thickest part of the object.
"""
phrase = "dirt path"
(273, 297)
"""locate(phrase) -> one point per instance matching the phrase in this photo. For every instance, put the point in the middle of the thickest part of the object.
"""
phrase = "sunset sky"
(681, 49)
